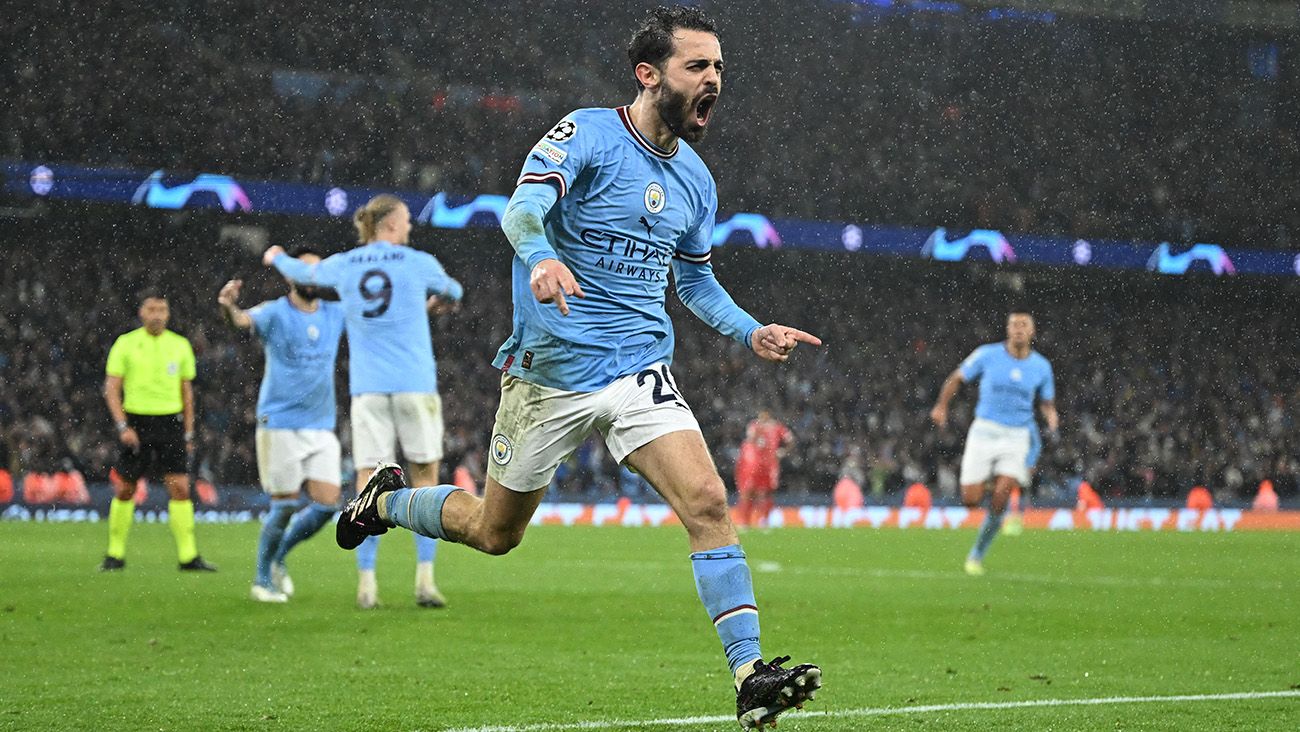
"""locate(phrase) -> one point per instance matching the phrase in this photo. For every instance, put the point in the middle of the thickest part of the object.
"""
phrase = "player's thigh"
(744, 486)
(130, 466)
(1010, 461)
(374, 432)
(641, 408)
(144, 460)
(417, 420)
(652, 428)
(170, 453)
(280, 456)
(978, 459)
(321, 466)
(536, 428)
(679, 467)
(764, 480)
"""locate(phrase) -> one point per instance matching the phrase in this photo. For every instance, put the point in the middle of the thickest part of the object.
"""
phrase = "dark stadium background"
(1181, 124)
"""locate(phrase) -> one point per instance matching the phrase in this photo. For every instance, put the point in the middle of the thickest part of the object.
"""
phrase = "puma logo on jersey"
(649, 227)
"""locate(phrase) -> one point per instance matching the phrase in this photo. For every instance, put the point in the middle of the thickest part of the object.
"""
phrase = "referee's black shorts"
(161, 450)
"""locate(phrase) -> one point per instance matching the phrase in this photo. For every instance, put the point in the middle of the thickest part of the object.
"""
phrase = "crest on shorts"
(563, 132)
(502, 449)
(654, 198)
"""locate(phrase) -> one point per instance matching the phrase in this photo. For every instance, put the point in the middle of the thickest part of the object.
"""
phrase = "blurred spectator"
(909, 118)
(1199, 498)
(1088, 500)
(1266, 498)
(847, 494)
(918, 496)
(1162, 382)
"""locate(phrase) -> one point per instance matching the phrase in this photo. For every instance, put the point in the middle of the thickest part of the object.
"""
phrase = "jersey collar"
(641, 139)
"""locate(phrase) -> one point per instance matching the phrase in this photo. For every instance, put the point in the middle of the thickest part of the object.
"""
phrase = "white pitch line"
(888, 711)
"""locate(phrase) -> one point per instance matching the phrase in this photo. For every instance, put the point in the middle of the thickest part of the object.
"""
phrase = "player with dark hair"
(608, 203)
(150, 394)
(386, 288)
(296, 416)
(1011, 377)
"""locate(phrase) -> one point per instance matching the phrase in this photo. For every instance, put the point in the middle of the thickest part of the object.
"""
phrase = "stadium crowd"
(1162, 384)
(1082, 127)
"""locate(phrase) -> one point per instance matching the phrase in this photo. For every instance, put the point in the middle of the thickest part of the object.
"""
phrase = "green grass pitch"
(601, 627)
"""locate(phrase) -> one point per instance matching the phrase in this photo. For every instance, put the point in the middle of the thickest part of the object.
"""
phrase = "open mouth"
(704, 108)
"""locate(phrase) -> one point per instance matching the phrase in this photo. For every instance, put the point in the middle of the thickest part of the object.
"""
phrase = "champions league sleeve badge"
(562, 132)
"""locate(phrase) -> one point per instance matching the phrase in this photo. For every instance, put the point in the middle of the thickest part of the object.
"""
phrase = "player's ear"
(648, 75)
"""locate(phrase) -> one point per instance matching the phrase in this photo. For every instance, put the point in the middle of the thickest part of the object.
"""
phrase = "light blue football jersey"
(628, 211)
(383, 288)
(298, 381)
(1035, 447)
(1009, 385)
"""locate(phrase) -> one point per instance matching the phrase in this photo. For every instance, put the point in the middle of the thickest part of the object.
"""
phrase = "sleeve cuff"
(538, 256)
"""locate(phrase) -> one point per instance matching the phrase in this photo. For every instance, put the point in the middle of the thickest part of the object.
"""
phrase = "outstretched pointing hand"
(550, 281)
(774, 342)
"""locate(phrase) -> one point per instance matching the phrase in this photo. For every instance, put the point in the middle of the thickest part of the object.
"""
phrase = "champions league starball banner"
(168, 190)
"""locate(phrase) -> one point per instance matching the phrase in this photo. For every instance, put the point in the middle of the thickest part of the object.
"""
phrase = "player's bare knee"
(499, 543)
(706, 504)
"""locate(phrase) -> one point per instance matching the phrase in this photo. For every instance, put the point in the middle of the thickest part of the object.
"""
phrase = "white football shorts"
(286, 458)
(382, 422)
(538, 427)
(994, 449)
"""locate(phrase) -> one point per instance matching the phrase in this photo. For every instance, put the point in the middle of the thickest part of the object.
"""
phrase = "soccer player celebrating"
(386, 287)
(758, 467)
(295, 420)
(610, 200)
(1011, 376)
(150, 393)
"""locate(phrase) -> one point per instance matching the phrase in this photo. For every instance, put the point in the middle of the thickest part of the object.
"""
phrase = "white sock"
(424, 575)
(366, 582)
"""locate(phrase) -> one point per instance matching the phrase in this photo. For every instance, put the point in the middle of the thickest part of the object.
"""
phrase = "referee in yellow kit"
(154, 367)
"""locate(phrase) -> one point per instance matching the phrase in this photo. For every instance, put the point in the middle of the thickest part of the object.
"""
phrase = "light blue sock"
(425, 548)
(988, 530)
(419, 509)
(367, 553)
(272, 533)
(310, 519)
(727, 591)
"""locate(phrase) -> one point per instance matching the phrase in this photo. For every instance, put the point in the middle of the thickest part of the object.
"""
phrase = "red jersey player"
(758, 467)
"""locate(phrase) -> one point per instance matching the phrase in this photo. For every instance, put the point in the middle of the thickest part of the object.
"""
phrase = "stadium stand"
(1163, 383)
(1078, 126)
(1087, 127)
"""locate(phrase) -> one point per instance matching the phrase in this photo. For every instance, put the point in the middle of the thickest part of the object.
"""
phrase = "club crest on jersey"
(502, 450)
(654, 198)
(173, 368)
(313, 332)
(1016, 374)
(564, 131)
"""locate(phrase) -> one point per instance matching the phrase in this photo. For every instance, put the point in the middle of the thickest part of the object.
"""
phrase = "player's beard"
(678, 115)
